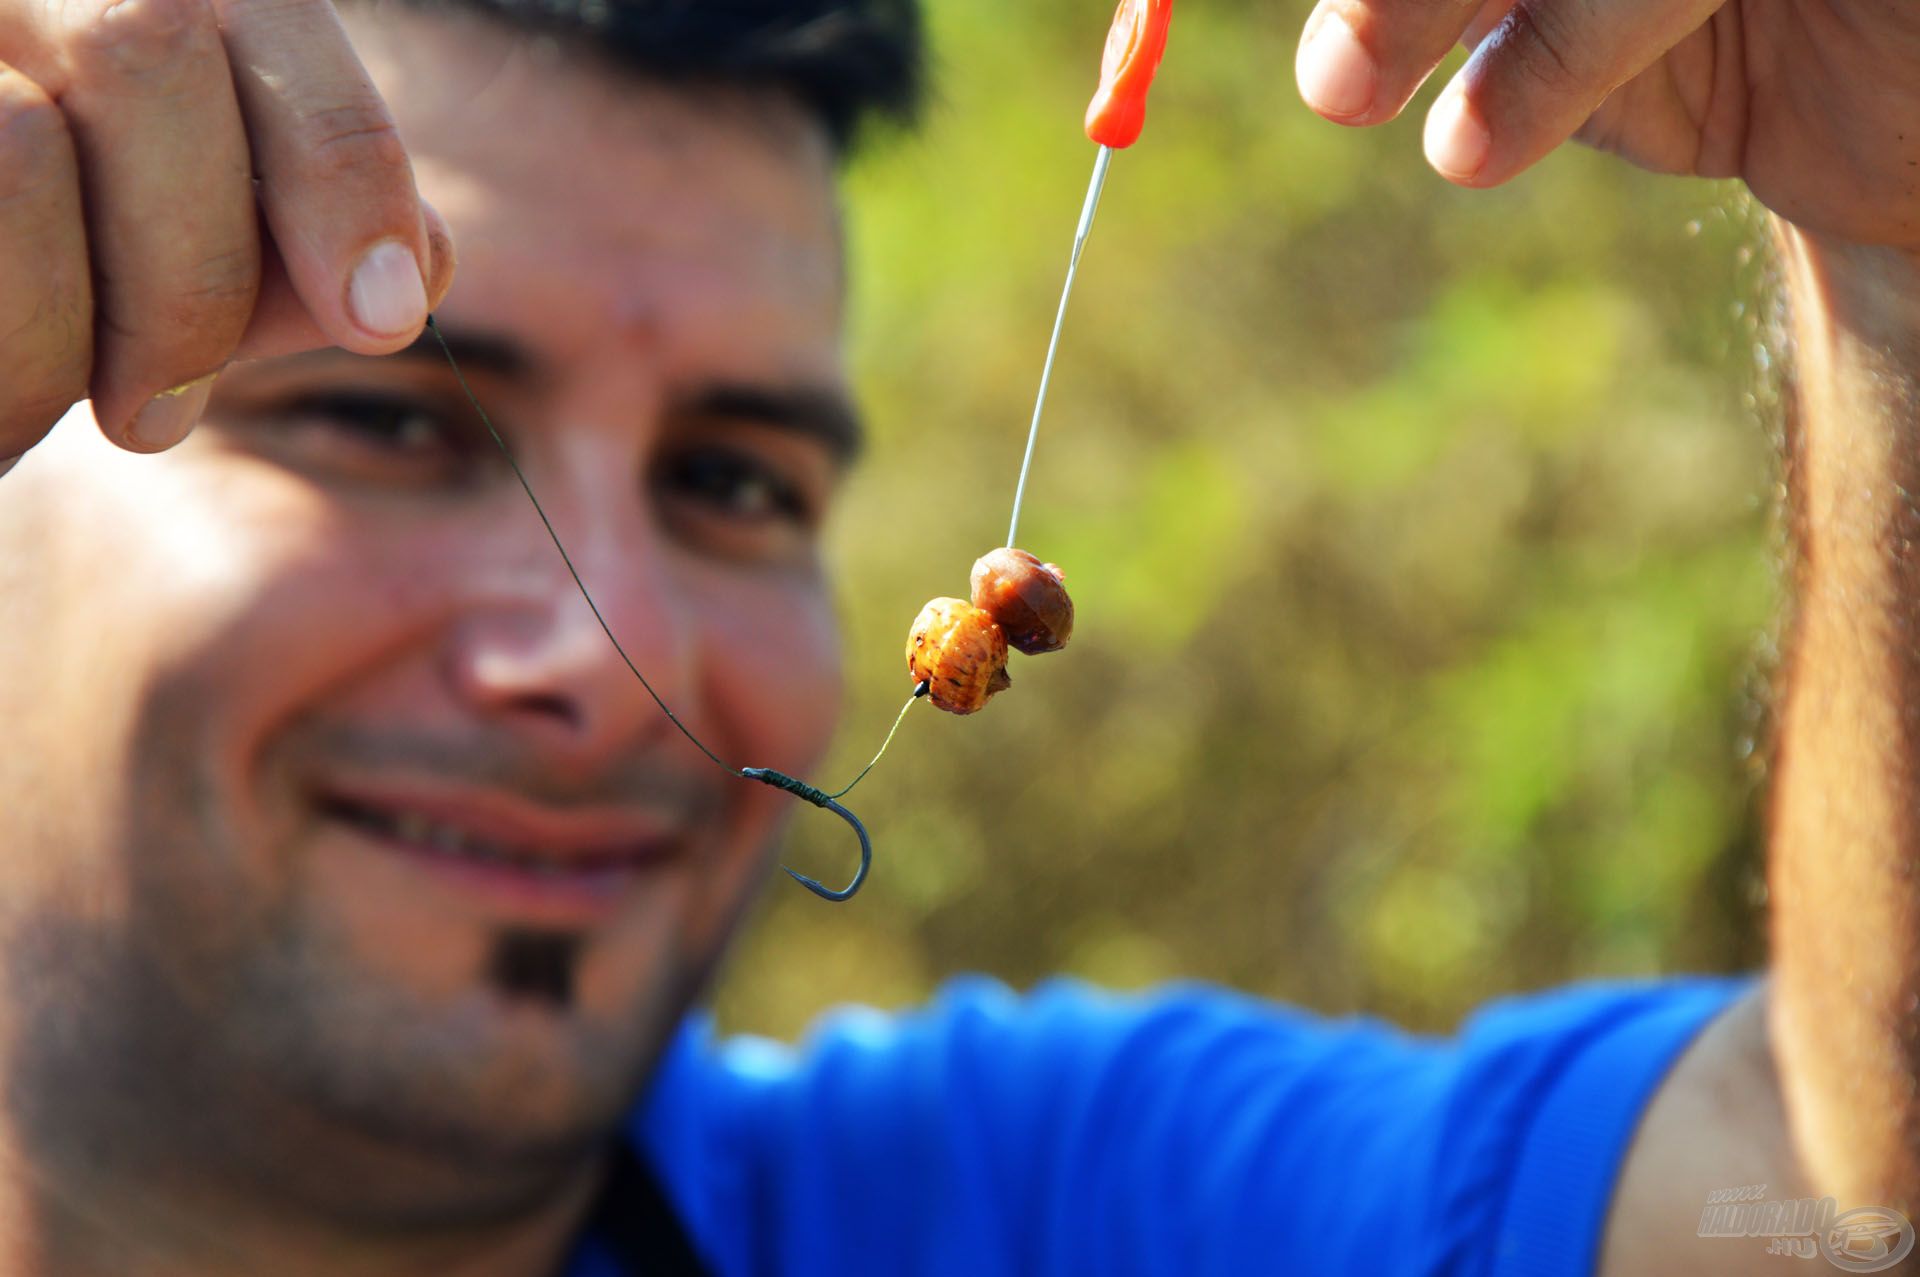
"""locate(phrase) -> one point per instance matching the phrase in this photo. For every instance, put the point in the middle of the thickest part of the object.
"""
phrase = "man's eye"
(381, 438)
(734, 484)
(729, 502)
(392, 422)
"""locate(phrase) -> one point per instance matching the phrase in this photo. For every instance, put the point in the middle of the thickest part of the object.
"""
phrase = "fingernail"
(386, 296)
(1456, 141)
(1337, 76)
(8, 464)
(169, 415)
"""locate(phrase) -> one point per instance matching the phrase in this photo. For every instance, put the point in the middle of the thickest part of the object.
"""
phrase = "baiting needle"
(1099, 184)
(1115, 118)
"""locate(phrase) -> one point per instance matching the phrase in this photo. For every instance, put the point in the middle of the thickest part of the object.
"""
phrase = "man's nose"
(532, 652)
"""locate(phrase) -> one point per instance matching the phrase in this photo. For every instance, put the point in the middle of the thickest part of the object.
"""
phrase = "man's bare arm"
(1846, 904)
(1716, 1124)
(1809, 1087)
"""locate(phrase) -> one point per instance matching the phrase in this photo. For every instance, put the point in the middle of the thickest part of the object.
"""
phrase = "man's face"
(313, 737)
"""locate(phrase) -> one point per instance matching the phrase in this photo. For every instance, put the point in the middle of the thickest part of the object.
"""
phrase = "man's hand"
(184, 183)
(1816, 103)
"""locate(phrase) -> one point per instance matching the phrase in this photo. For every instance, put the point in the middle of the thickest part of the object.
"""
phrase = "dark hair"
(844, 61)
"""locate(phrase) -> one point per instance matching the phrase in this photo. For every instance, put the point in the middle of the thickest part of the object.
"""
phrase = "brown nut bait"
(960, 653)
(1027, 597)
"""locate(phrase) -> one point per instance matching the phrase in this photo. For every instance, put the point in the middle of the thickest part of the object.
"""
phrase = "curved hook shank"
(799, 789)
(866, 860)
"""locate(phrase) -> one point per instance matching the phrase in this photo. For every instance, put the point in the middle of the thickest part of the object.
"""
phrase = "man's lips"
(527, 858)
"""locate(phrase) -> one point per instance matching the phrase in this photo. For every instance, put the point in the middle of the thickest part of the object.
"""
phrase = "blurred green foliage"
(1420, 540)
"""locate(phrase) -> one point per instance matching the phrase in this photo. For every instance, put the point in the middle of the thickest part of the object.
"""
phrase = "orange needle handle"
(1134, 49)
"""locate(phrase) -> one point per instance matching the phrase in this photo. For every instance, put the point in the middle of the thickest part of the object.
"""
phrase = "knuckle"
(189, 336)
(32, 129)
(221, 289)
(193, 329)
(137, 38)
(358, 140)
(1539, 44)
(1431, 15)
(200, 338)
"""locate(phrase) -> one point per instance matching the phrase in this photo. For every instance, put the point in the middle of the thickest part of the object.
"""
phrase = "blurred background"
(1421, 541)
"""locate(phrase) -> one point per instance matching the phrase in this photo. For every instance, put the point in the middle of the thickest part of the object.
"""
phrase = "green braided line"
(780, 780)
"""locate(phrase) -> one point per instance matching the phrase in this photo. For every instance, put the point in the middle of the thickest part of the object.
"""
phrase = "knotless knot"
(780, 780)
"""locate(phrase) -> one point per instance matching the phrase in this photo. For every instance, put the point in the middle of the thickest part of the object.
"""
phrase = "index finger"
(335, 185)
(1359, 61)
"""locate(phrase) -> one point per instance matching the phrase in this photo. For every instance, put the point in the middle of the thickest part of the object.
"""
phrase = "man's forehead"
(539, 152)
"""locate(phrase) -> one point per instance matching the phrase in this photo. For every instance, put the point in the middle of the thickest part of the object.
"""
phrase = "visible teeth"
(449, 840)
(458, 842)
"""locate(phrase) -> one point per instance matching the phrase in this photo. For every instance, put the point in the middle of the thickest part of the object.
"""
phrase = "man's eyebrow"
(820, 413)
(473, 350)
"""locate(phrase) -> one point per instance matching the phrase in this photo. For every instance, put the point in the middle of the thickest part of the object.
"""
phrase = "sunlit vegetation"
(1421, 543)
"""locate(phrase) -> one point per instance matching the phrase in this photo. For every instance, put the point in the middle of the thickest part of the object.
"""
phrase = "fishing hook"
(830, 802)
(800, 789)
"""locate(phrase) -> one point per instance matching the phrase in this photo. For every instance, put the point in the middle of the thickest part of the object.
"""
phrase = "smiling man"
(377, 883)
(355, 892)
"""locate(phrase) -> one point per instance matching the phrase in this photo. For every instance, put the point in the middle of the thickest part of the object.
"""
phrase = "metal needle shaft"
(1059, 320)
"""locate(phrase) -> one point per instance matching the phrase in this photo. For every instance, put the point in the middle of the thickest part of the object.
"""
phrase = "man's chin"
(412, 1013)
(481, 1086)
(313, 1074)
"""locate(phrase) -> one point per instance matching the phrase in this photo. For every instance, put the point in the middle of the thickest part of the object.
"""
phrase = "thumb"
(281, 323)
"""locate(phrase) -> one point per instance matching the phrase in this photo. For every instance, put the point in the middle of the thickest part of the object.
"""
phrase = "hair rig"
(764, 775)
(956, 650)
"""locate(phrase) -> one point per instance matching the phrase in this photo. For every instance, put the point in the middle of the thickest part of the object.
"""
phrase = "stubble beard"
(187, 1041)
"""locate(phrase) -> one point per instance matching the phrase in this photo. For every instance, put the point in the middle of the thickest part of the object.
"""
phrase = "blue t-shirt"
(1187, 1133)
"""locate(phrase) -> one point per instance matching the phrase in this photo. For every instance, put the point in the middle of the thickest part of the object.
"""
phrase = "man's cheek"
(728, 870)
(773, 681)
(773, 672)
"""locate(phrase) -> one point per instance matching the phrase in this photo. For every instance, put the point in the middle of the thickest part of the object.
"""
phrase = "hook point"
(819, 888)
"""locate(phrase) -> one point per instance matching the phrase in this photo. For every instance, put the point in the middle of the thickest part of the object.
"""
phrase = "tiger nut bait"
(1027, 597)
(958, 650)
